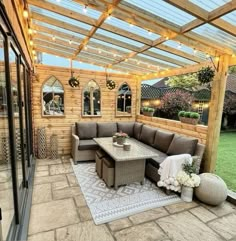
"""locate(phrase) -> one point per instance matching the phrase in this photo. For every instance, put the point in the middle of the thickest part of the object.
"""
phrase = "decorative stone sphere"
(212, 189)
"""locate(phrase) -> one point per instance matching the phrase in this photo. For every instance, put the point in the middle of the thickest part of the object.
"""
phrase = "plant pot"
(147, 113)
(120, 140)
(189, 120)
(187, 194)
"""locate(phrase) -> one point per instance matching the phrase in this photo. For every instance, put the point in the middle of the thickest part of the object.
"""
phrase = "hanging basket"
(73, 82)
(205, 75)
(110, 84)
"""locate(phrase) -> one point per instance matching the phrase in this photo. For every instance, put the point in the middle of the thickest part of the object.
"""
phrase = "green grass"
(226, 161)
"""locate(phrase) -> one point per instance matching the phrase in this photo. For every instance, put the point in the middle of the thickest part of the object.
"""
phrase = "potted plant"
(148, 111)
(188, 179)
(205, 75)
(128, 109)
(121, 137)
(189, 117)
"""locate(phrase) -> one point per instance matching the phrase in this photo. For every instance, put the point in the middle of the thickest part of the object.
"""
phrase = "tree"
(229, 103)
(173, 102)
(232, 69)
(187, 81)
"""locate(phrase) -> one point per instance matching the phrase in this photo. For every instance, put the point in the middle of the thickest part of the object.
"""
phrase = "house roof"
(231, 83)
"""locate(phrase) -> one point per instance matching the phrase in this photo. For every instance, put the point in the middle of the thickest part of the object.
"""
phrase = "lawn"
(226, 161)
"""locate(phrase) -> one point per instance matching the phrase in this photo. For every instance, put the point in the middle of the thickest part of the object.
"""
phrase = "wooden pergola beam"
(99, 22)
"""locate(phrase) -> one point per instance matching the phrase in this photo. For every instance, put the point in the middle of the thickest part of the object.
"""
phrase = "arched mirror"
(91, 96)
(52, 97)
(124, 101)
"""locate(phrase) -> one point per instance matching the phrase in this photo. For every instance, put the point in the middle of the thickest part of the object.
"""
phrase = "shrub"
(173, 102)
(145, 108)
(194, 115)
(187, 114)
(181, 113)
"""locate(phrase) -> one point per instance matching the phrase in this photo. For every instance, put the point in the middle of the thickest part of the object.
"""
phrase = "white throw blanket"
(169, 169)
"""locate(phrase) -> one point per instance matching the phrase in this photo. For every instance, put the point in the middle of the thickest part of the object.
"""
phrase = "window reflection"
(124, 100)
(53, 97)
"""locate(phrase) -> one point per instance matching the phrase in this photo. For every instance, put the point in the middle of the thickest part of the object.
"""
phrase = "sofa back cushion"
(148, 134)
(86, 130)
(127, 127)
(182, 145)
(137, 130)
(106, 129)
(162, 140)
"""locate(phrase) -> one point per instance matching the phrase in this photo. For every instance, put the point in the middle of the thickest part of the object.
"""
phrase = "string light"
(31, 43)
(85, 47)
(207, 55)
(35, 31)
(70, 42)
(131, 25)
(149, 32)
(217, 58)
(109, 16)
(35, 57)
(179, 46)
(25, 13)
(194, 51)
(85, 8)
(166, 38)
(30, 31)
(114, 55)
(126, 60)
(33, 51)
(233, 55)
(53, 38)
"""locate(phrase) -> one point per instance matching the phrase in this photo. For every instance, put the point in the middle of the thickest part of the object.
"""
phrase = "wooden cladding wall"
(73, 102)
(197, 131)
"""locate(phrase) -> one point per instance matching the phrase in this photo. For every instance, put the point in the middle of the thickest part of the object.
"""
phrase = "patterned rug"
(107, 204)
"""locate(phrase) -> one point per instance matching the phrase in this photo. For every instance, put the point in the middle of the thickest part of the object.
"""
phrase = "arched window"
(124, 100)
(52, 97)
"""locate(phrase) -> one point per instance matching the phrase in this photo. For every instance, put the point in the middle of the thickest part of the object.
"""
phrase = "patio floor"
(59, 213)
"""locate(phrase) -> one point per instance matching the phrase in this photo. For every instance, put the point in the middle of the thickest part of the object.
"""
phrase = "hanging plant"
(73, 82)
(111, 84)
(205, 75)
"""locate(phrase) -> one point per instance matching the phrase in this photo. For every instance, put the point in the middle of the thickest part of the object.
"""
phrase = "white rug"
(107, 204)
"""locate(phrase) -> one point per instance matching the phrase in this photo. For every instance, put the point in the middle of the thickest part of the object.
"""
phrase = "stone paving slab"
(80, 200)
(60, 168)
(45, 236)
(186, 227)
(73, 182)
(59, 185)
(42, 193)
(49, 179)
(120, 224)
(203, 214)
(148, 215)
(43, 162)
(181, 206)
(51, 215)
(85, 231)
(144, 232)
(66, 192)
(225, 226)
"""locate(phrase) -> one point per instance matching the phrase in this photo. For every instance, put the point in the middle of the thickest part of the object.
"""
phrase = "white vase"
(187, 194)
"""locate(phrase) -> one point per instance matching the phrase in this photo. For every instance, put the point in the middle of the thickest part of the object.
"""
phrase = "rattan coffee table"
(129, 165)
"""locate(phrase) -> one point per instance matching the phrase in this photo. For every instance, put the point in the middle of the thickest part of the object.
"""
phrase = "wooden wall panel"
(62, 125)
(197, 131)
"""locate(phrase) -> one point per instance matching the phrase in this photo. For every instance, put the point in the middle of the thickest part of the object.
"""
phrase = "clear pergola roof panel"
(164, 10)
(132, 28)
(93, 40)
(173, 56)
(210, 5)
(61, 18)
(216, 35)
(72, 5)
(185, 49)
(53, 27)
(230, 17)
(120, 38)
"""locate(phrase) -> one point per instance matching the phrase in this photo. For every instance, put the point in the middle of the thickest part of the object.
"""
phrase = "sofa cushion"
(87, 145)
(137, 130)
(162, 140)
(147, 134)
(182, 145)
(86, 130)
(127, 127)
(106, 129)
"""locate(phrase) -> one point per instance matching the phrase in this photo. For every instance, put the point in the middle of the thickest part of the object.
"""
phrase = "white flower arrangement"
(189, 180)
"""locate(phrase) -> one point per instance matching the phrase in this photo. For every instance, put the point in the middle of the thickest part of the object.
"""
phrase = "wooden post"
(138, 96)
(215, 114)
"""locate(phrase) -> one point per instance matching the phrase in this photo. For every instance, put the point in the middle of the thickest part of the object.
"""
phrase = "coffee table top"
(136, 152)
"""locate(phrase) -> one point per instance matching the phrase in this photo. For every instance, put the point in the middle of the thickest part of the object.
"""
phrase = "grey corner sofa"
(162, 142)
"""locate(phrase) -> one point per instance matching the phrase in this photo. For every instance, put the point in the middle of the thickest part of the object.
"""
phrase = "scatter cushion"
(106, 129)
(182, 145)
(87, 145)
(147, 135)
(137, 130)
(127, 127)
(162, 140)
(86, 130)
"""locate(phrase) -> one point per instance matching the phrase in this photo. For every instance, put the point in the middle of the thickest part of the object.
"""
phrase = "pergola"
(148, 39)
